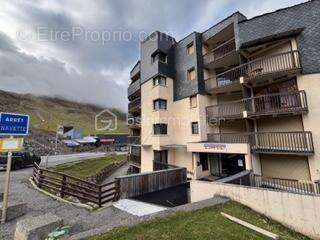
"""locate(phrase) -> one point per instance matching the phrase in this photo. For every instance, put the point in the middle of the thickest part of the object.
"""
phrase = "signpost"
(11, 124)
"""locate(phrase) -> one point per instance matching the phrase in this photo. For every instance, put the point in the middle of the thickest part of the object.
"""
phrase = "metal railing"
(229, 137)
(220, 51)
(134, 140)
(134, 121)
(135, 104)
(287, 142)
(278, 103)
(134, 87)
(287, 185)
(260, 67)
(136, 159)
(269, 142)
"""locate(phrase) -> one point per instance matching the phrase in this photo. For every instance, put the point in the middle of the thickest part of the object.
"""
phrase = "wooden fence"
(138, 184)
(65, 185)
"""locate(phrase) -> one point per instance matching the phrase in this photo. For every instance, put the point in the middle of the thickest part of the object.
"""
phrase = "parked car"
(19, 160)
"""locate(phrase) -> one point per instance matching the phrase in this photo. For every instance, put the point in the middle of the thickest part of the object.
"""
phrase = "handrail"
(268, 103)
(262, 66)
(295, 141)
(220, 46)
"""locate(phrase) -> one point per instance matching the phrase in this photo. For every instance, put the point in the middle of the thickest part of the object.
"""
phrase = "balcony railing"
(136, 159)
(270, 142)
(134, 105)
(269, 104)
(220, 51)
(134, 87)
(134, 122)
(260, 67)
(134, 140)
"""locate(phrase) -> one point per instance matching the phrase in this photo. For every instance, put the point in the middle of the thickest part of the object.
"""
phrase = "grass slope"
(46, 113)
(88, 167)
(204, 224)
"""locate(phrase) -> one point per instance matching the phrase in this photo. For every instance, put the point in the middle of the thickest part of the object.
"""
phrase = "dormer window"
(159, 56)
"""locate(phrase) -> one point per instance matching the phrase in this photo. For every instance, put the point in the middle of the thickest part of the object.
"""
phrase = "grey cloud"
(26, 74)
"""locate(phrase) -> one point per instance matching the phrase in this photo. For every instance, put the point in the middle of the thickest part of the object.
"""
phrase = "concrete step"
(15, 210)
(37, 228)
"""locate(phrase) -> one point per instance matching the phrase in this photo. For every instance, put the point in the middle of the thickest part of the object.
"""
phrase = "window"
(193, 101)
(195, 128)
(191, 74)
(159, 80)
(190, 48)
(159, 56)
(159, 104)
(161, 156)
(204, 161)
(160, 129)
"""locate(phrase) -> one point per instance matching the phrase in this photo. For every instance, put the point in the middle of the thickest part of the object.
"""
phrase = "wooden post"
(100, 196)
(63, 184)
(117, 194)
(6, 189)
(40, 178)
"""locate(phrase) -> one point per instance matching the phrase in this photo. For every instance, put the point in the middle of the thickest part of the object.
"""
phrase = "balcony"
(134, 140)
(135, 72)
(265, 105)
(226, 50)
(134, 122)
(134, 88)
(135, 159)
(256, 72)
(300, 143)
(134, 106)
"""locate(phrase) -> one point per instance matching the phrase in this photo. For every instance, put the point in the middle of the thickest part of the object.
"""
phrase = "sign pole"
(6, 189)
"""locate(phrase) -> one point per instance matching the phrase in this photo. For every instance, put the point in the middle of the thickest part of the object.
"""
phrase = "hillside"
(46, 113)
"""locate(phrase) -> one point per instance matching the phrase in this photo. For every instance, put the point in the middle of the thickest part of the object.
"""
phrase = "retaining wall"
(296, 211)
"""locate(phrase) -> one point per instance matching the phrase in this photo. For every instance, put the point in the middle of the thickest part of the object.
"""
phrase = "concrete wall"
(311, 120)
(298, 212)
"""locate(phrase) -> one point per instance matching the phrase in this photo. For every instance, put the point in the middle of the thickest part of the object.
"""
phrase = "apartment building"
(243, 95)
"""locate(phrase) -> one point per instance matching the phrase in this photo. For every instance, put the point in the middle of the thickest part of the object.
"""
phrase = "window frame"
(190, 70)
(159, 101)
(189, 46)
(197, 128)
(196, 103)
(155, 57)
(157, 81)
(162, 131)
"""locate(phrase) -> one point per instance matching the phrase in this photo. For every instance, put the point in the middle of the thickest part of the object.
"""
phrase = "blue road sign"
(12, 124)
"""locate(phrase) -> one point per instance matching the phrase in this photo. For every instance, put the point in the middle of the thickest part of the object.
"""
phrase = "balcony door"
(161, 156)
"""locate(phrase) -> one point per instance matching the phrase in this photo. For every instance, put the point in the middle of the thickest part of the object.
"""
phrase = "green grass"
(204, 224)
(89, 167)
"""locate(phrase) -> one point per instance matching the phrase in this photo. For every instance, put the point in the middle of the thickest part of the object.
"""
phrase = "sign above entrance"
(12, 124)
(215, 146)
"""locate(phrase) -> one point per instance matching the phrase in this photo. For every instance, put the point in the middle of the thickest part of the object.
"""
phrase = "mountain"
(46, 113)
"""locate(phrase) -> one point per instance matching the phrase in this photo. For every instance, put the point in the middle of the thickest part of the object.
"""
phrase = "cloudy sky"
(84, 50)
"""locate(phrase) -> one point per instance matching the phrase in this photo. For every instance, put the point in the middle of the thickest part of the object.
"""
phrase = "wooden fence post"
(63, 184)
(100, 196)
(40, 178)
(117, 193)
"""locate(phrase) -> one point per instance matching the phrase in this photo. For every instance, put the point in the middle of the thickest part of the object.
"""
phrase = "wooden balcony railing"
(269, 65)
(270, 142)
(134, 140)
(269, 104)
(220, 51)
(134, 105)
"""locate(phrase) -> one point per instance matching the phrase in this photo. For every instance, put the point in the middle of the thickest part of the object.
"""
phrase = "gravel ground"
(79, 218)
